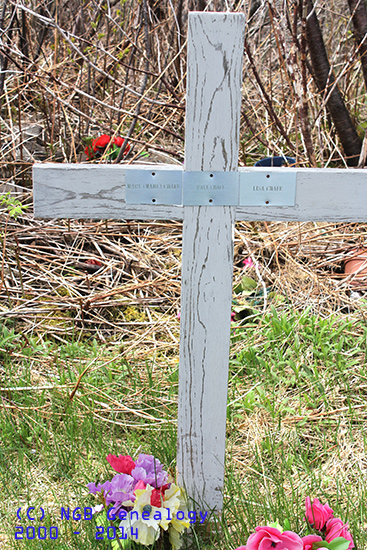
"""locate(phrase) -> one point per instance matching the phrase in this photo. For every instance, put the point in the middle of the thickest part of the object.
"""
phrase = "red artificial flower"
(157, 496)
(92, 262)
(122, 464)
(119, 141)
(89, 152)
(101, 143)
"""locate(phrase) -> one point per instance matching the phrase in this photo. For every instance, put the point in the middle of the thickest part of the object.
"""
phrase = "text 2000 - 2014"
(52, 533)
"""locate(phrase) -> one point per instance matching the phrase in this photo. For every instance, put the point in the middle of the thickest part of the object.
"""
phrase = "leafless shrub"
(74, 70)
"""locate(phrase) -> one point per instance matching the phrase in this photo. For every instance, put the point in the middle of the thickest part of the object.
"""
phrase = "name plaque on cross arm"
(268, 187)
(153, 186)
(251, 187)
(210, 188)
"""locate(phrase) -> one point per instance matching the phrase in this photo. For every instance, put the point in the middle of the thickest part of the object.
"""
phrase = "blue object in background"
(276, 161)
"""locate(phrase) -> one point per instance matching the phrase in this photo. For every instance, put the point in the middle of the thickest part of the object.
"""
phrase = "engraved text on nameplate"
(153, 186)
(268, 187)
(210, 188)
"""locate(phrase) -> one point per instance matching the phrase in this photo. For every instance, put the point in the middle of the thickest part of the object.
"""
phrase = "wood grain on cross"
(215, 46)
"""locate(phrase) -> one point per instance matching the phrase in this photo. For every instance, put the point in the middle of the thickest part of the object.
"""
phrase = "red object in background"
(357, 265)
(92, 262)
(101, 143)
(123, 464)
(119, 141)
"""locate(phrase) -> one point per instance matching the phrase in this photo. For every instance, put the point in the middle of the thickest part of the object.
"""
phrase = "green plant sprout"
(13, 206)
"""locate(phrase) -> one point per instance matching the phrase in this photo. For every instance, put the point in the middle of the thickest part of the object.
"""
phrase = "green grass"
(295, 426)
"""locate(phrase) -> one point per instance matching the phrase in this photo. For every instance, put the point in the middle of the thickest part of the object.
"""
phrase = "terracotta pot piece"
(357, 264)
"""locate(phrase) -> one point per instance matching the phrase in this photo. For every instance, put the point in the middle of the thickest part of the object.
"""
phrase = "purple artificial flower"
(94, 489)
(149, 470)
(117, 491)
(121, 490)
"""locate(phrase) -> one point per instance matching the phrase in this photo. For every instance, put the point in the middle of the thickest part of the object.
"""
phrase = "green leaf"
(287, 525)
(320, 544)
(246, 284)
(12, 204)
(238, 309)
(114, 152)
(340, 543)
(276, 525)
(125, 543)
(101, 520)
(273, 295)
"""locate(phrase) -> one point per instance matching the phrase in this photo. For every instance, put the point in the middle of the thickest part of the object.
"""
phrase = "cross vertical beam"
(213, 101)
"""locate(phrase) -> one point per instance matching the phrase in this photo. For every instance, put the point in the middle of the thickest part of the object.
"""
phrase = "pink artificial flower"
(267, 538)
(317, 514)
(179, 315)
(241, 548)
(233, 315)
(308, 541)
(122, 464)
(336, 528)
(247, 262)
(140, 485)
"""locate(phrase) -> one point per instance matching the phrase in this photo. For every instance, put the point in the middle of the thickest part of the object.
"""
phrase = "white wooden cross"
(215, 48)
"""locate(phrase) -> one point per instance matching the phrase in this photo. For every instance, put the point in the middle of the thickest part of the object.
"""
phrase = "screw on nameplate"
(275, 188)
(153, 186)
(214, 188)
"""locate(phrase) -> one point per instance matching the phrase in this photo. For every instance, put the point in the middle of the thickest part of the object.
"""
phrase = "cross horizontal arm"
(98, 192)
(91, 191)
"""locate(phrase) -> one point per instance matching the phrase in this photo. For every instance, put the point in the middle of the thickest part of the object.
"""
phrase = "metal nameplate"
(268, 188)
(210, 188)
(153, 186)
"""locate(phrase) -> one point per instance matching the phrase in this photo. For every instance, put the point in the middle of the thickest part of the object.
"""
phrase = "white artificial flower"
(176, 501)
(148, 529)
